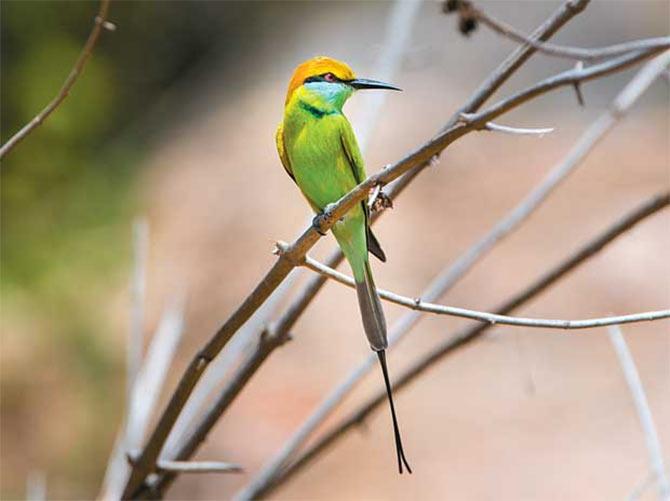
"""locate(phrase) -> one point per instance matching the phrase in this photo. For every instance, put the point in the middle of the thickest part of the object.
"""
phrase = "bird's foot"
(324, 220)
(379, 200)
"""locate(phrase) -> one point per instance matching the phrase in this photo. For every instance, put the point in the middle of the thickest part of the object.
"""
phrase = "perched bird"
(319, 151)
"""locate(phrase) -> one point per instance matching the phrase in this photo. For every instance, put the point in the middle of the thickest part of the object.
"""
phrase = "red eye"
(329, 77)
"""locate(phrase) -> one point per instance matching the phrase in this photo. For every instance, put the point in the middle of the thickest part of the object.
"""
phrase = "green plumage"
(319, 151)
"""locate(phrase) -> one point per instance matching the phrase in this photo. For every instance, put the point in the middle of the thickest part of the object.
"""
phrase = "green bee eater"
(319, 151)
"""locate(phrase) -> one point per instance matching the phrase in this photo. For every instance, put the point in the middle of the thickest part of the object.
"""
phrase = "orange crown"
(318, 66)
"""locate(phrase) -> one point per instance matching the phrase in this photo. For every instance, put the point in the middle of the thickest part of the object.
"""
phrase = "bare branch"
(296, 251)
(448, 277)
(137, 299)
(100, 22)
(469, 11)
(561, 16)
(400, 21)
(467, 117)
(469, 334)
(36, 486)
(640, 488)
(146, 390)
(419, 305)
(198, 467)
(643, 411)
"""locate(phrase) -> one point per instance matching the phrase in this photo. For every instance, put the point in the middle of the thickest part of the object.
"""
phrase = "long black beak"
(364, 83)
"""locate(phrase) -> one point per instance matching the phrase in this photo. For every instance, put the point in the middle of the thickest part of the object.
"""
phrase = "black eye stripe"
(322, 78)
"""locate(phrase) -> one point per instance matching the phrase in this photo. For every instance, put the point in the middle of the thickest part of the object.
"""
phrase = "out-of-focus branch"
(281, 328)
(198, 467)
(144, 397)
(448, 277)
(100, 22)
(417, 304)
(401, 19)
(520, 131)
(470, 334)
(579, 75)
(296, 251)
(643, 411)
(288, 260)
(137, 297)
(561, 16)
(469, 13)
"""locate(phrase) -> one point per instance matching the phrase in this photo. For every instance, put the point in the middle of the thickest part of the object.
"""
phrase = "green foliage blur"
(67, 201)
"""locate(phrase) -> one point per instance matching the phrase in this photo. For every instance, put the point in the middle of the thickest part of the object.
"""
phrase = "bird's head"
(332, 80)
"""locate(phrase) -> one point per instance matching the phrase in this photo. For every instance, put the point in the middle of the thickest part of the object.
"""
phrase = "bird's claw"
(379, 200)
(322, 219)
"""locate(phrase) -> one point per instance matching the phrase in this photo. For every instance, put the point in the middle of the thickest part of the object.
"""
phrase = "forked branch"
(100, 23)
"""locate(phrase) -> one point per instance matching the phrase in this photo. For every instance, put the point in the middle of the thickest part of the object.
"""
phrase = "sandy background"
(524, 414)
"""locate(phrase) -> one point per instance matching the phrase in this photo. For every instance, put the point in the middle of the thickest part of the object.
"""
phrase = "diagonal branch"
(401, 20)
(446, 279)
(199, 467)
(297, 250)
(417, 304)
(469, 11)
(469, 334)
(497, 78)
(254, 361)
(100, 22)
(643, 411)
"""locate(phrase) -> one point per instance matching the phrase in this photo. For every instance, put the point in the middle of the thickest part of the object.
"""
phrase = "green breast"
(319, 163)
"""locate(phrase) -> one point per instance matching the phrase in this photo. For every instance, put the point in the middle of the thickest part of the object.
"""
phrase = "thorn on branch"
(577, 86)
(283, 249)
(280, 248)
(132, 457)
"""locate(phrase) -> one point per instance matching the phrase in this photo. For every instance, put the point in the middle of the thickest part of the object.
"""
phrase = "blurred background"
(174, 119)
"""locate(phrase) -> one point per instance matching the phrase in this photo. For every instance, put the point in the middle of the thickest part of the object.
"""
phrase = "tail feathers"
(400, 453)
(371, 311)
(374, 247)
(375, 329)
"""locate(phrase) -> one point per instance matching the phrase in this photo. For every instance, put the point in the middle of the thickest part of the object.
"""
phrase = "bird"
(319, 151)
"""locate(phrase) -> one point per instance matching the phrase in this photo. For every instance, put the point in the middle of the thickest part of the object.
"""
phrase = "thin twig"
(518, 130)
(146, 390)
(296, 251)
(438, 309)
(331, 214)
(137, 300)
(99, 23)
(448, 278)
(401, 19)
(209, 386)
(36, 486)
(198, 467)
(511, 130)
(640, 488)
(578, 53)
(643, 411)
(469, 334)
(498, 77)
